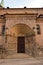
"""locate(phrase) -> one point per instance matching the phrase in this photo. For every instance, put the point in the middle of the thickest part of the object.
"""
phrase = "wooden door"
(21, 44)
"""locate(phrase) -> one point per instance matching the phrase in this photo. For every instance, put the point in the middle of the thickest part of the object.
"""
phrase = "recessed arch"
(21, 30)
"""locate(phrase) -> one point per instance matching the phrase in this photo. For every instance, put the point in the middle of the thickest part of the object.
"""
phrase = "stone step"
(18, 55)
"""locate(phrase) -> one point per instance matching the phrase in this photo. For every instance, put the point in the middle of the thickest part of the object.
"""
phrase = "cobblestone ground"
(27, 61)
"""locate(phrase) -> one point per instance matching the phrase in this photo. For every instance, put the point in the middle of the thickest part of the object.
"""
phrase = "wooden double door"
(21, 45)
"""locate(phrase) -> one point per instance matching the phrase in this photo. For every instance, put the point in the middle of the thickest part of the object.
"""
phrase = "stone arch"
(21, 30)
(24, 31)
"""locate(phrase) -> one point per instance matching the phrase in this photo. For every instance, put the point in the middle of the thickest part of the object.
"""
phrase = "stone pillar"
(31, 46)
(34, 51)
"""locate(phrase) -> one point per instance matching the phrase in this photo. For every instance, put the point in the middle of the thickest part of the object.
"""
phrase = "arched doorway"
(24, 38)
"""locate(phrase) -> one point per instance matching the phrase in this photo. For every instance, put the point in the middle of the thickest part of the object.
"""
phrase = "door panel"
(21, 45)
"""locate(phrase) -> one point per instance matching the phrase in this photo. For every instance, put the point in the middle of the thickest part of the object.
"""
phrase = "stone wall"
(23, 16)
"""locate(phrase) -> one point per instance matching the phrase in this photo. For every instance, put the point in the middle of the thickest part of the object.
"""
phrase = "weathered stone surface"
(21, 22)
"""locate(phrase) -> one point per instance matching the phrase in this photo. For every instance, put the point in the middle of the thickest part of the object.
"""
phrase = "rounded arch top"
(21, 30)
